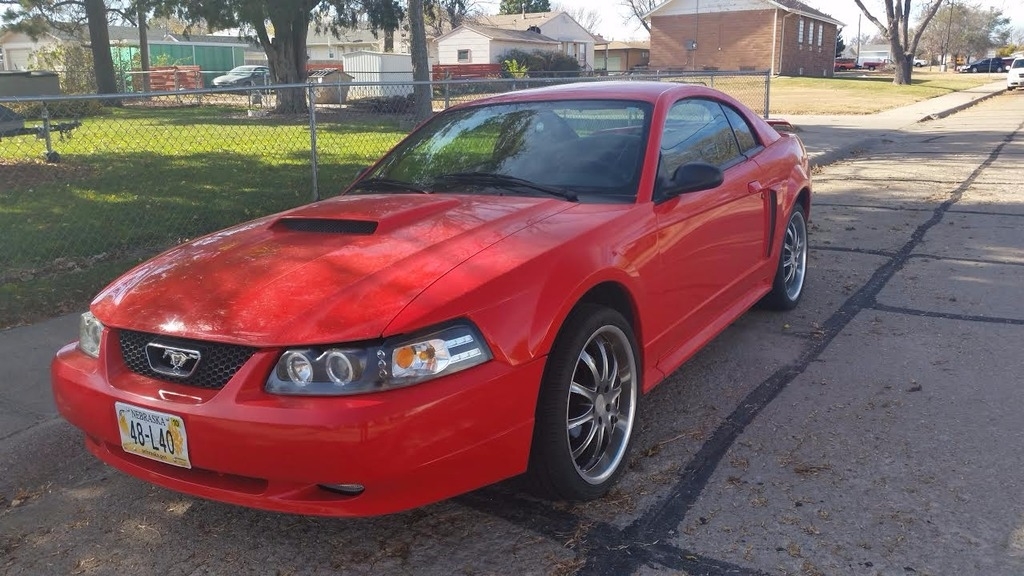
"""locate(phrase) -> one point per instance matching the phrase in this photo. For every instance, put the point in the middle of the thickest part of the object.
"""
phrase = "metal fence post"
(312, 140)
(51, 156)
(767, 92)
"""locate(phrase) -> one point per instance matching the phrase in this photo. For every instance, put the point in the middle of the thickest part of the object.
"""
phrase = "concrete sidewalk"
(25, 398)
(831, 138)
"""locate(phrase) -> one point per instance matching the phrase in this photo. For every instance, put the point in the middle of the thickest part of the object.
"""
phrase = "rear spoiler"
(782, 126)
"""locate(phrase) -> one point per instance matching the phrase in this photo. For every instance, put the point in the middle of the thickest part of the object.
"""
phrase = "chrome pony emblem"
(171, 360)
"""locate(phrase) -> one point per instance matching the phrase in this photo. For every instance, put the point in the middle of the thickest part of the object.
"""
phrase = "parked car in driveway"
(988, 65)
(489, 299)
(845, 64)
(919, 62)
(1015, 75)
(244, 76)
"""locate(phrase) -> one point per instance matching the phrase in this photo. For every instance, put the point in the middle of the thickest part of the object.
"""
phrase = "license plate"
(152, 434)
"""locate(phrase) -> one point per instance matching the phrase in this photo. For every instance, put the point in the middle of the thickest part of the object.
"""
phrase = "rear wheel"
(586, 407)
(788, 285)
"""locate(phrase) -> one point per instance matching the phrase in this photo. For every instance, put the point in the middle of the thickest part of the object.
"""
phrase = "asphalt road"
(876, 429)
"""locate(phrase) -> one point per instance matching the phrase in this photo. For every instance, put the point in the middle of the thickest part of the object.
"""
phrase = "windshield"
(242, 70)
(1018, 63)
(590, 150)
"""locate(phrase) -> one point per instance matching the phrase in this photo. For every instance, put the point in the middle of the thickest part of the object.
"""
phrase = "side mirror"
(693, 177)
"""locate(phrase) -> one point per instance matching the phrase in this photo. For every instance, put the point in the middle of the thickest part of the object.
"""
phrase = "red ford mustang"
(488, 300)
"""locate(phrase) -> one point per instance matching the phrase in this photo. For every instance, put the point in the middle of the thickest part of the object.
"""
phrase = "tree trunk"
(420, 63)
(286, 56)
(902, 62)
(99, 38)
(143, 48)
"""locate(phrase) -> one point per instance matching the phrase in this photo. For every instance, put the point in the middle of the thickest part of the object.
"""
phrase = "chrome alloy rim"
(602, 403)
(794, 255)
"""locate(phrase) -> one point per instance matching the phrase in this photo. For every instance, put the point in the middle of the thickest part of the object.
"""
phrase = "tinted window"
(697, 131)
(594, 148)
(744, 133)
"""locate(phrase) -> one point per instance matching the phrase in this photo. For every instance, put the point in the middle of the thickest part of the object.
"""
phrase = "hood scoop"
(327, 226)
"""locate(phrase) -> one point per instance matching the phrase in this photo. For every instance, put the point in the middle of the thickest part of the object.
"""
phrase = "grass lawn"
(141, 180)
(864, 92)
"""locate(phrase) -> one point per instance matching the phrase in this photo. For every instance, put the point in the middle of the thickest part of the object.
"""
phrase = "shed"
(22, 83)
(377, 67)
(334, 89)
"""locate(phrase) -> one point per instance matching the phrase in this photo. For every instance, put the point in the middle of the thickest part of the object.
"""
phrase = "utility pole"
(859, 16)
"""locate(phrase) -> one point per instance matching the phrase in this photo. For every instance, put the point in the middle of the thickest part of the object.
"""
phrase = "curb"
(959, 107)
(843, 152)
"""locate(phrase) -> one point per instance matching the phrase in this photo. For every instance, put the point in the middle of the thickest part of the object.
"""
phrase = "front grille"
(218, 362)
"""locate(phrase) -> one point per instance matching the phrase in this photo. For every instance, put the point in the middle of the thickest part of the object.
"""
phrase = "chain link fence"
(88, 189)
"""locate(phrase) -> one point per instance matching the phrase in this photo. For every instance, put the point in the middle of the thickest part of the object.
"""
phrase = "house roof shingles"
(801, 8)
(517, 21)
(505, 34)
(794, 6)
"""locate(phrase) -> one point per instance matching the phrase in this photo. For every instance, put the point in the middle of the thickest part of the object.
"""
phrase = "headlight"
(90, 331)
(343, 370)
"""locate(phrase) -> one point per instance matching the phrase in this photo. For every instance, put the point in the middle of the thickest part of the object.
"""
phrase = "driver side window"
(697, 130)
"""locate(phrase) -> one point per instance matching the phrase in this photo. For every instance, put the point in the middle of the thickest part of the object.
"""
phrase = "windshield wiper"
(389, 184)
(506, 181)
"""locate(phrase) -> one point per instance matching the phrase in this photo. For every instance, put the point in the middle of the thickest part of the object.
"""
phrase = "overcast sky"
(613, 15)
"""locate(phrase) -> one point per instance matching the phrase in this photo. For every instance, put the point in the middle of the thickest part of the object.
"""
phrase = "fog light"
(346, 489)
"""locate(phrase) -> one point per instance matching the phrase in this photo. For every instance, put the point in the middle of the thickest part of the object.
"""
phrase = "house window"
(821, 33)
(464, 56)
(800, 32)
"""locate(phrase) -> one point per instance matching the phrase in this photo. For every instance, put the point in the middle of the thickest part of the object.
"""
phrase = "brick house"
(784, 36)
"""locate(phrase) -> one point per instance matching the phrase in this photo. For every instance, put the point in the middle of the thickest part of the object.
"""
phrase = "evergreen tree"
(519, 6)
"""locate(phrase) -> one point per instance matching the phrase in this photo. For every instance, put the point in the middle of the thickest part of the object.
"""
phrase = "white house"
(19, 48)
(875, 53)
(325, 46)
(572, 38)
(477, 44)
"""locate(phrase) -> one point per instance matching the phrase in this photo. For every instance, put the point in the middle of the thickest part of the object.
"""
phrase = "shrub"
(549, 63)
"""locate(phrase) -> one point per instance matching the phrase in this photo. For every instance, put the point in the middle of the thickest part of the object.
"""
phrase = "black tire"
(586, 408)
(790, 276)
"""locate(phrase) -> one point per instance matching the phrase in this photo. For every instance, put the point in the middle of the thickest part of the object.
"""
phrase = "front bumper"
(407, 447)
(1015, 82)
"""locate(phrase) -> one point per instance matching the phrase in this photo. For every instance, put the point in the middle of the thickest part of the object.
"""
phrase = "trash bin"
(334, 89)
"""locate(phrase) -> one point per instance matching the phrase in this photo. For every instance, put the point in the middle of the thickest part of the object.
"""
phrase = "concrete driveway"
(876, 429)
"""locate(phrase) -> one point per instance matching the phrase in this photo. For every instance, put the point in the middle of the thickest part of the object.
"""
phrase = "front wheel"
(586, 407)
(788, 285)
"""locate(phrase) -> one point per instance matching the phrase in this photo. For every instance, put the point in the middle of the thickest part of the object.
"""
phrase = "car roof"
(642, 90)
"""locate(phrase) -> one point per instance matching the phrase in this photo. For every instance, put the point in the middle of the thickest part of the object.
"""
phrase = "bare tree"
(637, 10)
(1017, 36)
(443, 16)
(897, 32)
(966, 30)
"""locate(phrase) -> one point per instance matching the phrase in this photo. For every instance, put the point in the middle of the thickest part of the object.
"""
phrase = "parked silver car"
(244, 76)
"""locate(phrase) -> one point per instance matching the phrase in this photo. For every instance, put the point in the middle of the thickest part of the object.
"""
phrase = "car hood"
(334, 271)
